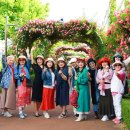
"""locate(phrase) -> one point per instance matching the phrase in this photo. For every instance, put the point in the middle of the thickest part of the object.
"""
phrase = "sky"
(93, 10)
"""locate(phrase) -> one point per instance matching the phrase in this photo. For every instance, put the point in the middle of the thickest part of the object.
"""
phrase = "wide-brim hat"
(61, 59)
(22, 57)
(104, 59)
(72, 60)
(49, 59)
(40, 56)
(118, 62)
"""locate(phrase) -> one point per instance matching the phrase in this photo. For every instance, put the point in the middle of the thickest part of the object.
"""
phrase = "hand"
(44, 69)
(60, 71)
(3, 50)
(27, 50)
(33, 48)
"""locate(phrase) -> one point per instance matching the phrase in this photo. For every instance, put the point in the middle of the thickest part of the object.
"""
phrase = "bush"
(126, 111)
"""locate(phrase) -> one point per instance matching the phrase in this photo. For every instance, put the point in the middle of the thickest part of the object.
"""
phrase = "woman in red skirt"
(24, 92)
(48, 87)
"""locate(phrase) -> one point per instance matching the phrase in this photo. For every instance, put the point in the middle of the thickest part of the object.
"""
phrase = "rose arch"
(54, 31)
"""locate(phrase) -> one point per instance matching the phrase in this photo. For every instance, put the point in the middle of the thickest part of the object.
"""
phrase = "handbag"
(74, 98)
(29, 83)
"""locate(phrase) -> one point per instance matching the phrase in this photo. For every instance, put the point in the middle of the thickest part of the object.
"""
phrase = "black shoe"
(76, 115)
(96, 115)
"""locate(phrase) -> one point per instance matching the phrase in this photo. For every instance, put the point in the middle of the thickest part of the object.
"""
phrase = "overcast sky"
(94, 10)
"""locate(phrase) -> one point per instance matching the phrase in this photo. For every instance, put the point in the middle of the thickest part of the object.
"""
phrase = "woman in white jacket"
(117, 89)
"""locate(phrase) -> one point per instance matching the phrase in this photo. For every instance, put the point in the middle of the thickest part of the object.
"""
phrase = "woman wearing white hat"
(48, 77)
(62, 86)
(8, 95)
(38, 82)
(22, 74)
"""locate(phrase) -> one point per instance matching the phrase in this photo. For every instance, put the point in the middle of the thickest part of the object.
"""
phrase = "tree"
(20, 12)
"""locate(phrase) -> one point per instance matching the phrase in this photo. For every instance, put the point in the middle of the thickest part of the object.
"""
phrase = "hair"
(58, 68)
(53, 66)
(41, 59)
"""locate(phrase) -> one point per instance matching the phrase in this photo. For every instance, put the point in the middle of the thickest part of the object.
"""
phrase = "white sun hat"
(72, 60)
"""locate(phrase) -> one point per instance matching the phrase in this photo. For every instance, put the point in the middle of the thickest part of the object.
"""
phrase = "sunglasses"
(117, 65)
(21, 59)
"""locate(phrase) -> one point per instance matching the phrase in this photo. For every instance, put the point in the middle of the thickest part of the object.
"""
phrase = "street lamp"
(6, 33)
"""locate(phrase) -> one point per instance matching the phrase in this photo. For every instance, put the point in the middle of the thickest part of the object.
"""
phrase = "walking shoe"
(25, 114)
(105, 118)
(62, 115)
(7, 114)
(76, 115)
(21, 116)
(117, 121)
(80, 118)
(114, 119)
(46, 115)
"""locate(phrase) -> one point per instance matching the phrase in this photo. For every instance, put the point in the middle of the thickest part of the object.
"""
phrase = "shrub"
(126, 111)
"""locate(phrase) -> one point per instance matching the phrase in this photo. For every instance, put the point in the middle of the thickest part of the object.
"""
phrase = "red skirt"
(47, 99)
(24, 96)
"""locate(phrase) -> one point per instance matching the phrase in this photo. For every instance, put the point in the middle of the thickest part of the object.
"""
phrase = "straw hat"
(72, 60)
(22, 57)
(61, 59)
(40, 56)
(118, 62)
(49, 59)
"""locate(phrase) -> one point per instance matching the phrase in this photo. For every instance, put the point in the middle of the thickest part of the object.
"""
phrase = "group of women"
(85, 78)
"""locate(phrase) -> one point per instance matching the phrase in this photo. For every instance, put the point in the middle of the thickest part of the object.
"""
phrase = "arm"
(121, 76)
(127, 61)
(32, 59)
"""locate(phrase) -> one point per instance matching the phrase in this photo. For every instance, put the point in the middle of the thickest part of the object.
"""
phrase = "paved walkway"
(40, 123)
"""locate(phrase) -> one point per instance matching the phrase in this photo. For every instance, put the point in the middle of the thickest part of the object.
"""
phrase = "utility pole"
(6, 33)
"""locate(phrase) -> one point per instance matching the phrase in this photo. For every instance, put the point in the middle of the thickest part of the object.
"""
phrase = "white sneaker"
(105, 118)
(80, 118)
(7, 114)
(21, 116)
(46, 115)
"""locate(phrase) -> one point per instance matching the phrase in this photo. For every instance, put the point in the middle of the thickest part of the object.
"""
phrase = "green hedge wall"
(126, 111)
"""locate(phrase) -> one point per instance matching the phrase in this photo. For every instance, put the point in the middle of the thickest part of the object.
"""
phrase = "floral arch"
(54, 31)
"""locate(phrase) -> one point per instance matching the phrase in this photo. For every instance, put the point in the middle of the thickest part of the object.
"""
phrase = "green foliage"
(112, 9)
(126, 112)
(19, 12)
(54, 31)
(118, 35)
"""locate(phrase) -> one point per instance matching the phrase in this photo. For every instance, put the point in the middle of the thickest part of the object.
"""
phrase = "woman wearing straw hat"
(22, 73)
(48, 77)
(103, 78)
(38, 82)
(62, 86)
(82, 87)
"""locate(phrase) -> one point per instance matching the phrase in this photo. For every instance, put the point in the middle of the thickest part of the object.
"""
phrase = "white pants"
(117, 105)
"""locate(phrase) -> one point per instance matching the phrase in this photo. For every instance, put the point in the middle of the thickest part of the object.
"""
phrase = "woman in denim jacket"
(8, 95)
(24, 93)
(48, 77)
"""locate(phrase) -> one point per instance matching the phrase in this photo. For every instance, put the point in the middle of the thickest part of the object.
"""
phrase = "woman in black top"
(38, 82)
